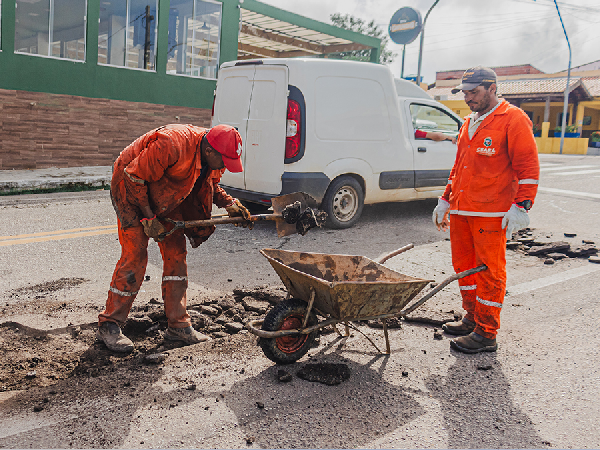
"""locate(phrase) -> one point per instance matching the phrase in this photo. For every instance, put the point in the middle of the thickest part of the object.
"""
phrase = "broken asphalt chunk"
(555, 247)
(234, 327)
(155, 358)
(556, 256)
(326, 373)
(284, 376)
(582, 252)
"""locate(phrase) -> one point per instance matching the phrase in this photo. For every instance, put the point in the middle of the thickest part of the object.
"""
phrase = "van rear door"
(266, 129)
(253, 98)
(232, 101)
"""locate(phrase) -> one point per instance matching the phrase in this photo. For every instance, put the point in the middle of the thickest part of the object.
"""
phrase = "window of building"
(51, 28)
(194, 36)
(127, 33)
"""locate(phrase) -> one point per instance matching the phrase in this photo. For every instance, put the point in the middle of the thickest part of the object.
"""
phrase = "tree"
(352, 23)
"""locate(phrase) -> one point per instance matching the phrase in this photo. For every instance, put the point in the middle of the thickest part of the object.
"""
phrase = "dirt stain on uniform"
(131, 278)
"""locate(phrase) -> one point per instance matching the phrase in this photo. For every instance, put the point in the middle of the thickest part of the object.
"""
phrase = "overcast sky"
(464, 33)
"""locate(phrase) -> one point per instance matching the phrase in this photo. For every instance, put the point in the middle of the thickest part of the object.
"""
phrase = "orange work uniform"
(495, 168)
(163, 170)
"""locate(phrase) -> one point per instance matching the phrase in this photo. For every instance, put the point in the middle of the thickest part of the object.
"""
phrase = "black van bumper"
(314, 184)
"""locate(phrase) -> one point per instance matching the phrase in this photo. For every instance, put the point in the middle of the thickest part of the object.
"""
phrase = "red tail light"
(294, 129)
(212, 111)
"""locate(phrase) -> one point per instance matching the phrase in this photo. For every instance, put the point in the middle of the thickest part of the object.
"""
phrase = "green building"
(80, 79)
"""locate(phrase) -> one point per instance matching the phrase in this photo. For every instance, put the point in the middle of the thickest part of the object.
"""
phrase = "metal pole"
(421, 45)
(566, 99)
(149, 18)
(403, 54)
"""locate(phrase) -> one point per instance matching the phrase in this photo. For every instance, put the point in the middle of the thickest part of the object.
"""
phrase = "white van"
(341, 131)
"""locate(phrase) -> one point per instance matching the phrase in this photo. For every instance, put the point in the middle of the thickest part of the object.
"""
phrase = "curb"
(79, 178)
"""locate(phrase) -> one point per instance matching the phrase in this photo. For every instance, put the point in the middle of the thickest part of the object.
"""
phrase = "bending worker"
(491, 188)
(171, 172)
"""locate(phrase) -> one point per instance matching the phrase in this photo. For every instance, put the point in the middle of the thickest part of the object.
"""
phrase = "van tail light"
(294, 129)
(212, 111)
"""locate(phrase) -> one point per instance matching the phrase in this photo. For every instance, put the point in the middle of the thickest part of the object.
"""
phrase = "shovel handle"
(179, 224)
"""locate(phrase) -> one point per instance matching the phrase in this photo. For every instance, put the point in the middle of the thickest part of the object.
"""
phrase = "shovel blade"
(280, 202)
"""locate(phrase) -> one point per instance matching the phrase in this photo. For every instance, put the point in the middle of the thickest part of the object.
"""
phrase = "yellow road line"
(55, 236)
(47, 233)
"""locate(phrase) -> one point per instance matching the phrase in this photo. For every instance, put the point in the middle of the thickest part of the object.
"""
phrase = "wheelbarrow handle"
(442, 285)
(394, 253)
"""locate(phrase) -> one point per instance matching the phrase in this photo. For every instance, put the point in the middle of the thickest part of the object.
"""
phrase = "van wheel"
(343, 202)
(255, 208)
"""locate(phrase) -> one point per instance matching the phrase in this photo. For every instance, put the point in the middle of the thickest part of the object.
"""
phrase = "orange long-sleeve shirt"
(160, 169)
(497, 167)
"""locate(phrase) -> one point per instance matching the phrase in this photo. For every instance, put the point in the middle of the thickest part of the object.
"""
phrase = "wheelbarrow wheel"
(288, 314)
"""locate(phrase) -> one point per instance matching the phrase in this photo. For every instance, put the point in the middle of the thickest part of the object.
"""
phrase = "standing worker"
(171, 172)
(491, 188)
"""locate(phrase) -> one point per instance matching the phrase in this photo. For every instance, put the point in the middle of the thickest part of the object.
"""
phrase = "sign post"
(421, 46)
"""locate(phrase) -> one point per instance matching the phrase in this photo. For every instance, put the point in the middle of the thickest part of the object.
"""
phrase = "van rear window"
(350, 109)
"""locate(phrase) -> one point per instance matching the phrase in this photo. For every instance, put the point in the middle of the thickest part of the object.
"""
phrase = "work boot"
(474, 343)
(110, 333)
(186, 335)
(460, 328)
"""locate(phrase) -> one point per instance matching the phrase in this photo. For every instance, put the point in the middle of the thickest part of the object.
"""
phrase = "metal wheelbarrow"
(339, 288)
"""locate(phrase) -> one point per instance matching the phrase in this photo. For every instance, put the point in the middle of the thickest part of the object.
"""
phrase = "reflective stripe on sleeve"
(488, 303)
(134, 179)
(477, 214)
(174, 278)
(449, 181)
(468, 288)
(122, 293)
(529, 181)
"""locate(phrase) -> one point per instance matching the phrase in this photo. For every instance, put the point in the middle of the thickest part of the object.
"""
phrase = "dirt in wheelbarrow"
(36, 358)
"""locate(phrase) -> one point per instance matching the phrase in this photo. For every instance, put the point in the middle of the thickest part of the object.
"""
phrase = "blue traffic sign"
(405, 25)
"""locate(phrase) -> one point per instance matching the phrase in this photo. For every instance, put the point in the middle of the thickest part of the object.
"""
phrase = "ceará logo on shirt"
(487, 150)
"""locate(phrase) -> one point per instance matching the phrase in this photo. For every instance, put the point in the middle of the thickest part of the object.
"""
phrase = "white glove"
(440, 211)
(515, 219)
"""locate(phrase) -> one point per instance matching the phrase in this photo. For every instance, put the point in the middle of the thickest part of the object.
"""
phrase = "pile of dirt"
(32, 357)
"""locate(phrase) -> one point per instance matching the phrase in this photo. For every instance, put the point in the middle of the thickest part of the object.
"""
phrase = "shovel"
(292, 213)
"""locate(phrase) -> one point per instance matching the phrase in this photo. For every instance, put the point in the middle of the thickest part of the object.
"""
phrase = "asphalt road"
(541, 390)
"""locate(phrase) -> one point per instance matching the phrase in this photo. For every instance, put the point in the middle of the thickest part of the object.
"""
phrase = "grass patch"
(71, 187)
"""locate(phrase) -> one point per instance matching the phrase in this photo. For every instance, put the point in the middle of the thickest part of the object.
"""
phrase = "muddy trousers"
(476, 241)
(129, 274)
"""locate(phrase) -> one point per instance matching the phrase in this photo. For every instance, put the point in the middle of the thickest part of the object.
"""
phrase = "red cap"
(227, 141)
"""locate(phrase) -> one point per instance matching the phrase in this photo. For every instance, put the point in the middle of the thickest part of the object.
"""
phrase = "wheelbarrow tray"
(346, 287)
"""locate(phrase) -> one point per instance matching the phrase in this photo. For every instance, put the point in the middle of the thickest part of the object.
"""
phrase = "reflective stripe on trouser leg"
(174, 281)
(463, 258)
(128, 275)
(490, 249)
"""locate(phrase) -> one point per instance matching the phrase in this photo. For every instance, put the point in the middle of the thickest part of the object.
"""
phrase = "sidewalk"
(54, 178)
